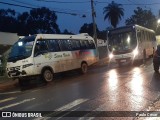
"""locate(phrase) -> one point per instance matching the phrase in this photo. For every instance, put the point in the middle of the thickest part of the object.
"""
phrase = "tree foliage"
(113, 12)
(67, 32)
(143, 17)
(8, 21)
(88, 28)
(39, 20)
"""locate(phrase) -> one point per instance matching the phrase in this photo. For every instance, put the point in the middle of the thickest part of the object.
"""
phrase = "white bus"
(130, 43)
(46, 54)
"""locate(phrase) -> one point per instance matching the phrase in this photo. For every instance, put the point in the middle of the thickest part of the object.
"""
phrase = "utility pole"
(94, 23)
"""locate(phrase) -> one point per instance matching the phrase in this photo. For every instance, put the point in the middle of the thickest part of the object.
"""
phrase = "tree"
(67, 32)
(8, 21)
(113, 12)
(39, 20)
(23, 24)
(143, 17)
(87, 28)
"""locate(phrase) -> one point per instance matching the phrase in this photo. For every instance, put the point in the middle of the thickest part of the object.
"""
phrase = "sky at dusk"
(82, 7)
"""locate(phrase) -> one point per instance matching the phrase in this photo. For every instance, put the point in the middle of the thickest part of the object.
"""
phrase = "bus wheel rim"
(48, 76)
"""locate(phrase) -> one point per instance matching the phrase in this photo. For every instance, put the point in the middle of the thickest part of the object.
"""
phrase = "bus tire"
(47, 75)
(84, 68)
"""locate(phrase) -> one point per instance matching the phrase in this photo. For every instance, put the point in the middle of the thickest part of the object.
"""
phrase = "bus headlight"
(110, 55)
(135, 52)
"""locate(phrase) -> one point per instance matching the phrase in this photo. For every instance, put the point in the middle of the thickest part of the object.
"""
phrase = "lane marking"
(7, 99)
(10, 92)
(64, 108)
(18, 103)
(67, 113)
(71, 105)
(100, 108)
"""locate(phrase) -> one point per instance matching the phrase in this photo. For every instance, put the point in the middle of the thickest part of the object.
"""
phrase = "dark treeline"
(43, 20)
(40, 20)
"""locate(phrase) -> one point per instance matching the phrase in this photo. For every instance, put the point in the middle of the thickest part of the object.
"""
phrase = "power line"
(99, 2)
(59, 9)
(24, 3)
(17, 5)
(129, 3)
(61, 1)
(74, 14)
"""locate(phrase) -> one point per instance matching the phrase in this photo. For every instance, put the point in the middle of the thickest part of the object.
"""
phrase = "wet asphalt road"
(107, 88)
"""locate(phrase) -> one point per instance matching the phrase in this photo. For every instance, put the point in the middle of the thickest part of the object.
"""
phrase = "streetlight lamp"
(158, 23)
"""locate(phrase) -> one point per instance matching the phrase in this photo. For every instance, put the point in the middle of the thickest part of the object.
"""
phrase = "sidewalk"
(6, 83)
(101, 62)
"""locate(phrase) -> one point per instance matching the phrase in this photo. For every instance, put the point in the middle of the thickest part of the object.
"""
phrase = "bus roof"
(130, 27)
(83, 36)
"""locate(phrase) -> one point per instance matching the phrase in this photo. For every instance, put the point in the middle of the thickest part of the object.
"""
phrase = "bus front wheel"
(47, 75)
(84, 68)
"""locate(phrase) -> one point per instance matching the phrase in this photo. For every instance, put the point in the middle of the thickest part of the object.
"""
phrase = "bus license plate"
(123, 60)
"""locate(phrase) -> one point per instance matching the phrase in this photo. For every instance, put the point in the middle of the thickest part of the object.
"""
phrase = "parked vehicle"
(156, 59)
(131, 43)
(47, 54)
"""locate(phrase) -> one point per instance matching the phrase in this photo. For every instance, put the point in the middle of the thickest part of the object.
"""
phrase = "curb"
(6, 83)
(101, 62)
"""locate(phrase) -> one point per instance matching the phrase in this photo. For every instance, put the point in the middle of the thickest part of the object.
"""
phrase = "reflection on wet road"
(129, 88)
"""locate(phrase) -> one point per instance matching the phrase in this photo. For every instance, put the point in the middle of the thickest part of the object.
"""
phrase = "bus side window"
(139, 36)
(53, 46)
(87, 44)
(41, 47)
(83, 46)
(64, 45)
(153, 37)
(142, 36)
(78, 45)
(147, 36)
(91, 44)
(69, 46)
(73, 44)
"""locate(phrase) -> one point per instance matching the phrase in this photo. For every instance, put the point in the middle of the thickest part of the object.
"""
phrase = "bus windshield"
(125, 41)
(21, 49)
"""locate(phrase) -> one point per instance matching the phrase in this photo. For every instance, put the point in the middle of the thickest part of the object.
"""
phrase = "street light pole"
(94, 24)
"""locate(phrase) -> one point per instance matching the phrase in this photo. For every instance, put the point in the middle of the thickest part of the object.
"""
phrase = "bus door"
(43, 56)
(66, 58)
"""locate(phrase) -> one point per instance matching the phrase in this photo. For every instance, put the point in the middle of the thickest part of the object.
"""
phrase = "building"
(6, 41)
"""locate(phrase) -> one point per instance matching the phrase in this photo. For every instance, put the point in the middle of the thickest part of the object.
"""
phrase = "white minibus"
(47, 54)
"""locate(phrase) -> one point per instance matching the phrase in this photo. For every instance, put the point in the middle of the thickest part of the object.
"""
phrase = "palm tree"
(113, 12)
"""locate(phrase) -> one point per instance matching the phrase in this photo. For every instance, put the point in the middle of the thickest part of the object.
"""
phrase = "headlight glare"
(135, 52)
(110, 55)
